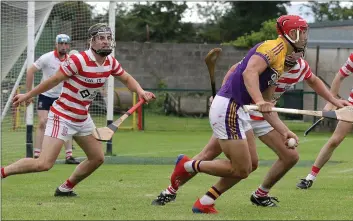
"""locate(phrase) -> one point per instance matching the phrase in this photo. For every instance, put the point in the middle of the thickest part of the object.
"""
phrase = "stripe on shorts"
(231, 121)
(55, 130)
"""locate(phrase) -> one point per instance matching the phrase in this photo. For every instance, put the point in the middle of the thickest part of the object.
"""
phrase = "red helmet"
(286, 23)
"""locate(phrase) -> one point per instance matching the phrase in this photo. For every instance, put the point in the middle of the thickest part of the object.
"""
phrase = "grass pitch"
(123, 188)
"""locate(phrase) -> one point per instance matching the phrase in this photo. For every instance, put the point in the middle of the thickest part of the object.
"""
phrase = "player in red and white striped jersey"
(288, 157)
(341, 131)
(297, 74)
(83, 75)
(85, 78)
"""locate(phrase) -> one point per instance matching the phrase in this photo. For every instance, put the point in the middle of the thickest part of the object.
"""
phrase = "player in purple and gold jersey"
(254, 77)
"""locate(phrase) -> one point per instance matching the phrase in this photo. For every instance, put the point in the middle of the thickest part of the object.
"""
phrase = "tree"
(162, 19)
(246, 16)
(333, 10)
(267, 31)
(226, 21)
(212, 13)
(78, 13)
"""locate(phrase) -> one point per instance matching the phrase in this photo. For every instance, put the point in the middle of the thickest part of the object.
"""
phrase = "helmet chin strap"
(291, 40)
(103, 52)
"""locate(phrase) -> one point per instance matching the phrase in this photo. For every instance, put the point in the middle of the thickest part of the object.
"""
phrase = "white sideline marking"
(150, 195)
(344, 171)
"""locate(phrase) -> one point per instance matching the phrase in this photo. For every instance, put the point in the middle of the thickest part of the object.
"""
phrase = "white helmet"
(62, 38)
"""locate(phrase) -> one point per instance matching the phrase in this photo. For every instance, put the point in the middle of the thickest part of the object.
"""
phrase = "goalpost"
(28, 31)
(17, 50)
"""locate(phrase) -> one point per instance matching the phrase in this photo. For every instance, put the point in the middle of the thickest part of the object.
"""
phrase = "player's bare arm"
(255, 67)
(277, 124)
(273, 119)
(30, 77)
(336, 83)
(319, 87)
(134, 86)
(335, 87)
(42, 87)
(340, 76)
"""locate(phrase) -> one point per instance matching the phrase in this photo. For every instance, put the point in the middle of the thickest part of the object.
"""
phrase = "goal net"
(72, 18)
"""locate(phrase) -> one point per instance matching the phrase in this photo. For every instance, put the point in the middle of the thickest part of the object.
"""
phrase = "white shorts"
(228, 120)
(60, 128)
(260, 127)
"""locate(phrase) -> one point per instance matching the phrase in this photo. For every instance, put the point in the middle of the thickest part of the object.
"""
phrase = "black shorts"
(44, 102)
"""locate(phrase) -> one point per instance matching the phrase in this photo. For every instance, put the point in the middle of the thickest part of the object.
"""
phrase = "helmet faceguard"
(287, 23)
(99, 34)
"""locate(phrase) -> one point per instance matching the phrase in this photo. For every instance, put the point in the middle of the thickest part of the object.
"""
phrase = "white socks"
(310, 177)
(206, 200)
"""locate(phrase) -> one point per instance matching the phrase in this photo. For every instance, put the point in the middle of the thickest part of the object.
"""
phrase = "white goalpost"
(5, 69)
(110, 84)
(30, 61)
(30, 30)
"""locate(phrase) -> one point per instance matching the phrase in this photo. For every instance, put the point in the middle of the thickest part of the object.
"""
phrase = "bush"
(267, 31)
(157, 106)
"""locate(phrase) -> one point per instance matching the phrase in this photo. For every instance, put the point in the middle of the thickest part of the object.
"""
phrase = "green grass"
(123, 188)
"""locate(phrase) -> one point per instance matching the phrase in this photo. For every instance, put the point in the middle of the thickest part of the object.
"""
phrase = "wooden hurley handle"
(114, 126)
(287, 110)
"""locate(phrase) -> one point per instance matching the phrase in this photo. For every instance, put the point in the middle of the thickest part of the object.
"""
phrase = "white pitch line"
(344, 171)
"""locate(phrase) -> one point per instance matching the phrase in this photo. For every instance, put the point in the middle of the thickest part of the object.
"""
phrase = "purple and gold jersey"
(274, 53)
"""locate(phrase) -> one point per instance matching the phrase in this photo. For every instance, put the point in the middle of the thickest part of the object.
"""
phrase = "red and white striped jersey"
(347, 70)
(86, 77)
(301, 71)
